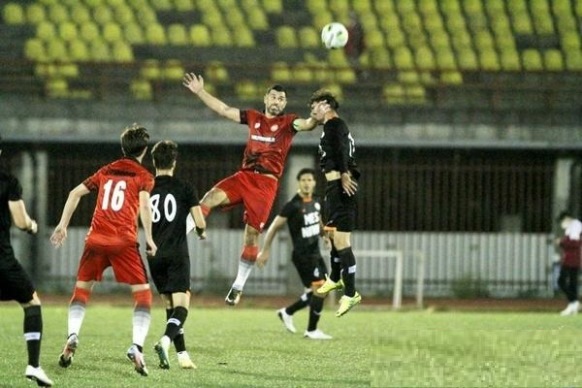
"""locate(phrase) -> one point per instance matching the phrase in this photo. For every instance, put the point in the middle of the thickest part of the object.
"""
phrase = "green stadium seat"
(67, 70)
(408, 77)
(57, 51)
(184, 5)
(235, 18)
(451, 78)
(177, 35)
(446, 60)
(522, 23)
(415, 94)
(150, 70)
(309, 37)
(570, 41)
(35, 13)
(467, 59)
(578, 9)
(345, 75)
(394, 38)
(439, 40)
(227, 5)
(200, 35)
(394, 94)
(316, 6)
(510, 60)
(286, 37)
(321, 19)
(146, 16)
(46, 31)
(403, 58)
(68, 31)
(34, 50)
(213, 19)
(543, 24)
(532, 60)
(272, 6)
(57, 88)
(574, 60)
(13, 14)
(321, 71)
(484, 41)
(221, 37)
(339, 6)
(113, 3)
(155, 34)
(257, 20)
(124, 15)
(247, 90)
(390, 23)
(243, 37)
(361, 6)
(99, 51)
(424, 58)
(141, 89)
(80, 14)
(58, 13)
(102, 15)
(336, 58)
(302, 73)
(98, 3)
(380, 59)
(173, 70)
(133, 33)
(553, 60)
(384, 7)
(78, 51)
(428, 7)
(216, 73)
(121, 52)
(488, 60)
(45, 70)
(162, 5)
(89, 32)
(280, 72)
(375, 39)
(112, 32)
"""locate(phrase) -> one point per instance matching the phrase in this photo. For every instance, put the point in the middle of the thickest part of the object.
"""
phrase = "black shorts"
(15, 284)
(170, 274)
(341, 209)
(311, 268)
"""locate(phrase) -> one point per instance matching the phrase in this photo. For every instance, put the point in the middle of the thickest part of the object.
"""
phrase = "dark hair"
(324, 95)
(277, 88)
(164, 154)
(134, 140)
(305, 171)
(563, 215)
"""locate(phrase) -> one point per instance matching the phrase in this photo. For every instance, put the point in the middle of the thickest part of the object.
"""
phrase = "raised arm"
(60, 233)
(196, 85)
(263, 255)
(305, 124)
(21, 218)
(145, 214)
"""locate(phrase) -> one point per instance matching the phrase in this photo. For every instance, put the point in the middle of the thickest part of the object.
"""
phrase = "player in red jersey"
(255, 184)
(123, 188)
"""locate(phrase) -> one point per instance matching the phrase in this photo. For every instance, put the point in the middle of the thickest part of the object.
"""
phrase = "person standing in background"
(570, 261)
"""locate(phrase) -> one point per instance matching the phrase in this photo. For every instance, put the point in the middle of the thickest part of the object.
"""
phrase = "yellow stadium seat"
(337, 58)
(384, 7)
(321, 19)
(102, 15)
(150, 70)
(80, 14)
(34, 50)
(113, 3)
(543, 24)
(570, 41)
(235, 18)
(408, 77)
(162, 5)
(553, 60)
(46, 31)
(424, 58)
(451, 7)
(339, 6)
(141, 89)
(133, 33)
(155, 34)
(221, 37)
(302, 73)
(403, 58)
(434, 23)
(35, 13)
(446, 60)
(390, 23)
(510, 60)
(184, 5)
(199, 35)
(57, 51)
(361, 6)
(98, 3)
(335, 89)
(124, 14)
(67, 70)
(56, 88)
(243, 37)
(257, 20)
(522, 24)
(439, 40)
(89, 32)
(451, 78)
(345, 75)
(99, 51)
(146, 16)
(177, 35)
(45, 70)
(68, 31)
(227, 5)
(216, 73)
(380, 59)
(121, 52)
(532, 60)
(173, 70)
(394, 39)
(316, 6)
(574, 60)
(394, 94)
(415, 94)
(246, 90)
(309, 37)
(272, 6)
(375, 39)
(213, 19)
(112, 32)
(286, 37)
(13, 14)
(280, 72)
(321, 71)
(488, 60)
(484, 41)
(467, 59)
(58, 13)
(78, 51)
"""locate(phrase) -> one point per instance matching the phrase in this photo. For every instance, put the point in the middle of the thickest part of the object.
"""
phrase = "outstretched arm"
(263, 255)
(60, 232)
(305, 124)
(196, 85)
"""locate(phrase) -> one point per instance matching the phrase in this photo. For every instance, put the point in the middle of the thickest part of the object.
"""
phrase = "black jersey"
(10, 190)
(171, 201)
(336, 148)
(303, 218)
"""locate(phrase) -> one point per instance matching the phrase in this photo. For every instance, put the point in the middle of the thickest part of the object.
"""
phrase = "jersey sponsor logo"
(311, 222)
(317, 206)
(274, 128)
(263, 139)
(257, 125)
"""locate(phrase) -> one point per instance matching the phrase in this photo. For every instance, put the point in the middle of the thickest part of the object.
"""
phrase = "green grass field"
(246, 347)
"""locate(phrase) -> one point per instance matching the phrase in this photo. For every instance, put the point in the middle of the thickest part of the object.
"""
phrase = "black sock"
(300, 303)
(179, 342)
(335, 265)
(176, 321)
(348, 263)
(315, 308)
(139, 347)
(33, 333)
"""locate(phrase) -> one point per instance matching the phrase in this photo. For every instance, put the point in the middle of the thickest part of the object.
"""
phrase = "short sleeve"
(288, 210)
(147, 183)
(191, 196)
(92, 183)
(14, 189)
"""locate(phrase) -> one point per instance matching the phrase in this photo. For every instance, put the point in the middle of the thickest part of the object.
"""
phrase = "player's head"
(306, 181)
(164, 154)
(320, 98)
(564, 219)
(134, 140)
(275, 100)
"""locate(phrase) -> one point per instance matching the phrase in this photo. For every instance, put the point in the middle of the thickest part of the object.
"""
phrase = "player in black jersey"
(303, 216)
(171, 202)
(338, 163)
(15, 283)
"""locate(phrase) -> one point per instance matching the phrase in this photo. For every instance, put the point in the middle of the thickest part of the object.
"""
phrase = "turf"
(244, 347)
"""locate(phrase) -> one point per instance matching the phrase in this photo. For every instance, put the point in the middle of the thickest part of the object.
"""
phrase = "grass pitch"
(246, 347)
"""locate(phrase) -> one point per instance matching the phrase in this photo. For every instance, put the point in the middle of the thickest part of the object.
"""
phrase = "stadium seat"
(415, 94)
(146, 16)
(380, 59)
(553, 60)
(78, 51)
(467, 59)
(35, 13)
(124, 15)
(247, 90)
(446, 60)
(46, 31)
(361, 6)
(112, 32)
(221, 37)
(177, 35)
(133, 33)
(99, 51)
(280, 72)
(68, 31)
(162, 5)
(451, 77)
(13, 14)
(45, 70)
(80, 14)
(67, 70)
(216, 73)
(344, 75)
(375, 39)
(150, 70)
(286, 37)
(272, 6)
(235, 18)
(394, 39)
(34, 50)
(141, 89)
(488, 60)
(570, 41)
(302, 73)
(403, 58)
(56, 88)
(184, 5)
(309, 37)
(384, 7)
(532, 60)
(199, 35)
(574, 60)
(56, 50)
(155, 34)
(408, 77)
(243, 37)
(316, 6)
(522, 23)
(321, 19)
(102, 15)
(121, 52)
(257, 20)
(89, 32)
(394, 94)
(58, 13)
(173, 70)
(510, 60)
(424, 58)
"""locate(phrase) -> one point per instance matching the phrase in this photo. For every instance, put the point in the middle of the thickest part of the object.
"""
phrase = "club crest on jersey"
(317, 206)
(274, 128)
(257, 125)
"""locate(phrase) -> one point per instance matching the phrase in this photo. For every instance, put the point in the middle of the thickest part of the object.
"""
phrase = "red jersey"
(268, 142)
(115, 217)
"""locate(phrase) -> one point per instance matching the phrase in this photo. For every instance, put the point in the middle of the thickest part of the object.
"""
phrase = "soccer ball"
(334, 35)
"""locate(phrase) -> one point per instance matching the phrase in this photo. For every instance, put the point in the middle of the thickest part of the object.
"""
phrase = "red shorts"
(255, 191)
(125, 260)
